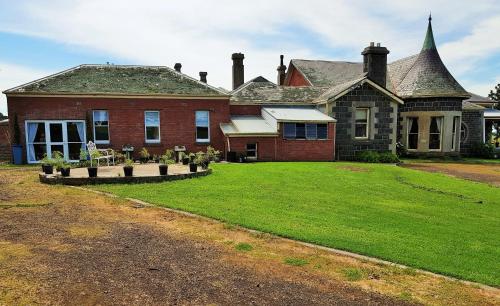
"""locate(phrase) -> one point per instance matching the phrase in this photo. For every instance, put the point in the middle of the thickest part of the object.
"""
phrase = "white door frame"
(48, 142)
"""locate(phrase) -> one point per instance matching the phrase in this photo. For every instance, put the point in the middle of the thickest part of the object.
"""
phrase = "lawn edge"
(307, 244)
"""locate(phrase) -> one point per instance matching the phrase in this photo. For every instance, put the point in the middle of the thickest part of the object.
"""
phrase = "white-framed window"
(456, 124)
(100, 119)
(309, 131)
(251, 150)
(47, 136)
(412, 133)
(202, 121)
(436, 126)
(152, 126)
(361, 128)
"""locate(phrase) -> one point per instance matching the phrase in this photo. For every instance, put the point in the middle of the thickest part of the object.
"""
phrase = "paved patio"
(139, 170)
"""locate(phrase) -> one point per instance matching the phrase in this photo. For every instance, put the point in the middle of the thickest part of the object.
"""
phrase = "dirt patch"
(354, 168)
(90, 249)
(485, 173)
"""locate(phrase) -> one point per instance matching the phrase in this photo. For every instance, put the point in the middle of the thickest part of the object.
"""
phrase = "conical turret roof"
(428, 76)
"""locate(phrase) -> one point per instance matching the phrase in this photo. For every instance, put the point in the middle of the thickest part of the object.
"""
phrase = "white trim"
(408, 133)
(48, 142)
(93, 128)
(146, 140)
(196, 127)
(368, 113)
(440, 134)
(256, 151)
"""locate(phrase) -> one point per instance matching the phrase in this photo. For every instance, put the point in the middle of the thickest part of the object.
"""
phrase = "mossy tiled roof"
(262, 91)
(120, 80)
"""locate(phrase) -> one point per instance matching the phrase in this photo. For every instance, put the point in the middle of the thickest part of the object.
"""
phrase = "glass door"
(47, 137)
(55, 139)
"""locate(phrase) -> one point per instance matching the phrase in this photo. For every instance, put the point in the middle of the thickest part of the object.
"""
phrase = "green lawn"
(420, 219)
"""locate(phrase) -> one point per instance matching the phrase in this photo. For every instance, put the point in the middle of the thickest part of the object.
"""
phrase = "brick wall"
(382, 122)
(473, 120)
(279, 149)
(254, 110)
(126, 118)
(5, 151)
(296, 78)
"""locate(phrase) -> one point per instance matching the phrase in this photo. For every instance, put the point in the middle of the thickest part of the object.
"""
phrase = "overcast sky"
(38, 38)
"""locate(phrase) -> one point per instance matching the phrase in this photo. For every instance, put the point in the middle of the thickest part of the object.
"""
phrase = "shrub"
(483, 150)
(388, 157)
(144, 154)
(376, 157)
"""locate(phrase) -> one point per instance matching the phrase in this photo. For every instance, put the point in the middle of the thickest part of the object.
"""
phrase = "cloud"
(14, 75)
(481, 88)
(202, 34)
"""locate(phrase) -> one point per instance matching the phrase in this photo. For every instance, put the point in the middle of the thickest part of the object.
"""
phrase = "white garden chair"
(107, 154)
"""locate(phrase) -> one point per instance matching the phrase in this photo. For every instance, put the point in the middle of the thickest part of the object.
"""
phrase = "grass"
(424, 220)
(298, 262)
(353, 274)
(244, 247)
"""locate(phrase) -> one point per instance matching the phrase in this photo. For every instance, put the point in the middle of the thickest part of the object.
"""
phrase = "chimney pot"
(238, 69)
(372, 44)
(281, 71)
(178, 67)
(203, 76)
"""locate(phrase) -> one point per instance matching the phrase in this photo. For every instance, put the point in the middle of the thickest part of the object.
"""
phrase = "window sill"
(202, 143)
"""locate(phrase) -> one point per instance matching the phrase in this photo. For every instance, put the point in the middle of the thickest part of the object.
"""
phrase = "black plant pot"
(128, 170)
(163, 169)
(65, 172)
(92, 171)
(48, 169)
(205, 164)
(193, 167)
(185, 160)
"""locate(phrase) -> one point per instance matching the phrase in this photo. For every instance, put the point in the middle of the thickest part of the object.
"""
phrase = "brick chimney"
(203, 76)
(375, 63)
(178, 67)
(238, 69)
(281, 71)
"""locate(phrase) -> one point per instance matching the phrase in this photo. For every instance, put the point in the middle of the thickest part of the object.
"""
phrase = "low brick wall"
(79, 181)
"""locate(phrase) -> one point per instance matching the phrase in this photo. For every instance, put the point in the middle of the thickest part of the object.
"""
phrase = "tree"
(495, 95)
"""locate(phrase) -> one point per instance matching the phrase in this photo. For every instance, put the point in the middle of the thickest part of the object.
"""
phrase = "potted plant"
(203, 159)
(58, 160)
(193, 162)
(144, 154)
(213, 155)
(128, 169)
(47, 164)
(156, 158)
(92, 170)
(84, 157)
(185, 158)
(65, 169)
(165, 160)
(17, 148)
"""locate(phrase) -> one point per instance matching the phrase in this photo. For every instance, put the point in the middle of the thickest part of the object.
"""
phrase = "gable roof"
(424, 75)
(340, 90)
(327, 73)
(475, 98)
(118, 80)
(261, 91)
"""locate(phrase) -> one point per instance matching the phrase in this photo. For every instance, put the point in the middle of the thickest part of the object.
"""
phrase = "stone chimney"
(281, 71)
(203, 76)
(238, 69)
(375, 63)
(178, 67)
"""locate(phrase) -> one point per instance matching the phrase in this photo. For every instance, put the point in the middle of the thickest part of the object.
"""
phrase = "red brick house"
(155, 108)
